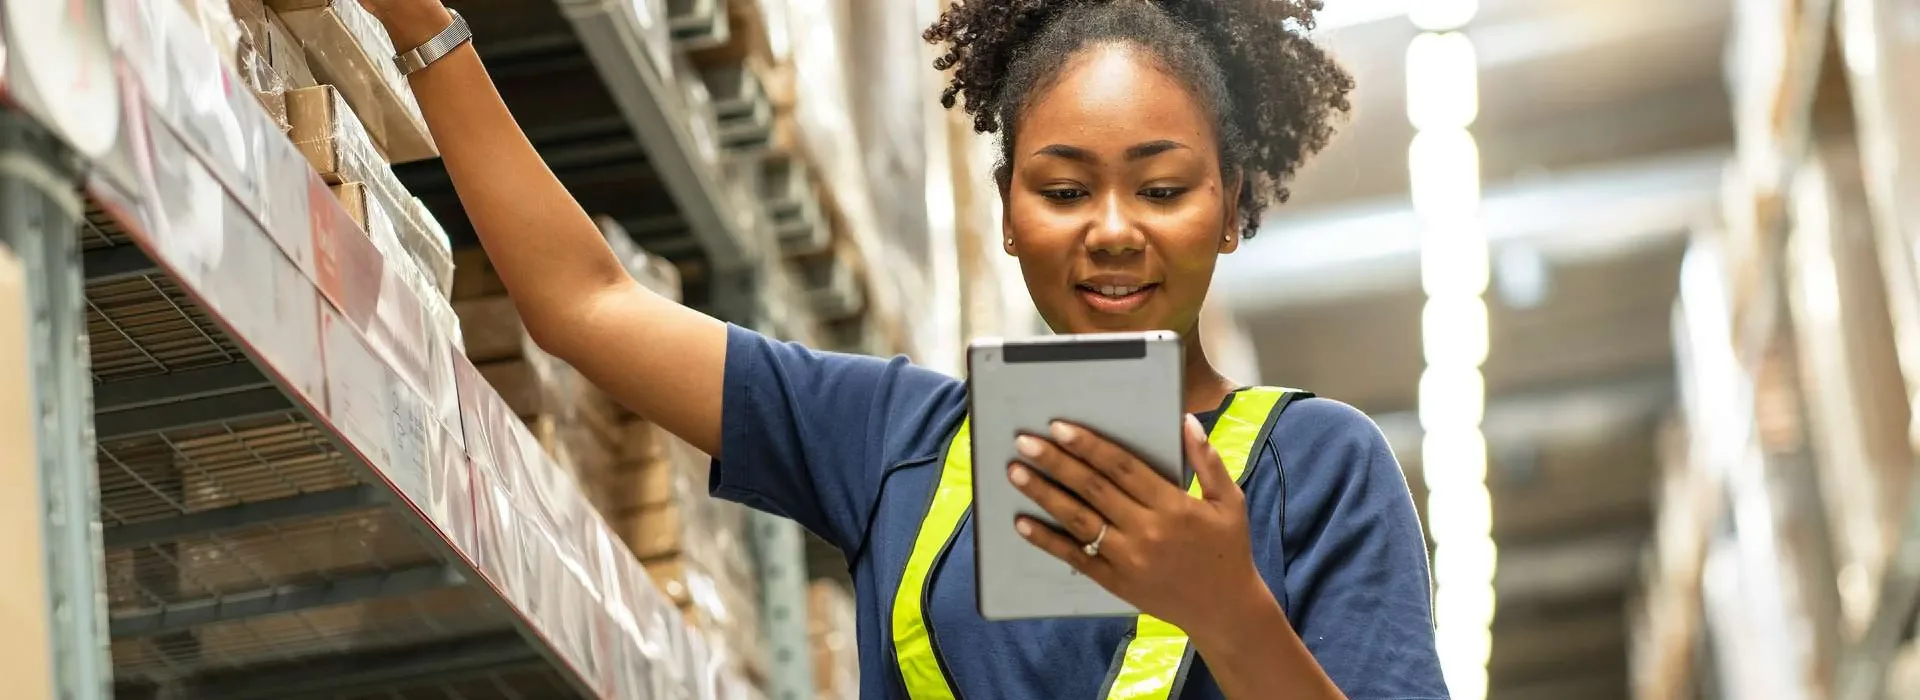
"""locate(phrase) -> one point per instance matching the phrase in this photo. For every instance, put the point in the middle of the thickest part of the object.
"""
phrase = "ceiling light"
(1442, 15)
(1452, 397)
(1453, 330)
(1443, 169)
(1443, 86)
(1453, 456)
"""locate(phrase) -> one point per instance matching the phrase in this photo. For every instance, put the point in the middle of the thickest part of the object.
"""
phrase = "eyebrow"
(1139, 151)
(1150, 149)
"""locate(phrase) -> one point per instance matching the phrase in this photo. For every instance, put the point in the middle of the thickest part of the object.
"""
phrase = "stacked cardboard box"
(830, 630)
(23, 562)
(694, 546)
(309, 63)
(575, 422)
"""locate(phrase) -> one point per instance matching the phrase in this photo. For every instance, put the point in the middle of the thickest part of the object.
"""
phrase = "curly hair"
(1274, 95)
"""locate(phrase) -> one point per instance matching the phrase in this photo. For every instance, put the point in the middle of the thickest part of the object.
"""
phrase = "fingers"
(1088, 483)
(1215, 483)
(1119, 465)
(1079, 520)
(1065, 549)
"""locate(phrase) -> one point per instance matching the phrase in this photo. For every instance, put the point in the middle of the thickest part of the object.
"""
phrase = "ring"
(1092, 549)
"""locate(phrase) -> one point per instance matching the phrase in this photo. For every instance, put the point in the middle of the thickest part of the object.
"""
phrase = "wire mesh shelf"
(240, 540)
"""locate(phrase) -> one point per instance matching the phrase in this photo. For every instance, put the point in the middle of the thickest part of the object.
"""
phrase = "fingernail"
(1194, 428)
(1029, 446)
(1062, 431)
(1018, 475)
(1023, 527)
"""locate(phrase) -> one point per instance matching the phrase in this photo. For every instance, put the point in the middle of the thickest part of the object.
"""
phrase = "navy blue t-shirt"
(851, 447)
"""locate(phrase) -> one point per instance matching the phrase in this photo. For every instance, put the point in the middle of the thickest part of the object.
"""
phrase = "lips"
(1116, 298)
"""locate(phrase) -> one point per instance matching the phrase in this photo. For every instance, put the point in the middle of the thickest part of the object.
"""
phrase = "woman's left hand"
(1171, 555)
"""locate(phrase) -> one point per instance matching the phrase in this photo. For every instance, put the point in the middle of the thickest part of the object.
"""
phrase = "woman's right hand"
(409, 23)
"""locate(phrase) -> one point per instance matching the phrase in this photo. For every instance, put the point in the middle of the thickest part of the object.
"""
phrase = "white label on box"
(357, 391)
(407, 460)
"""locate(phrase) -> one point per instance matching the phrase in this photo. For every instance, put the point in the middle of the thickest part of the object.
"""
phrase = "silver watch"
(436, 48)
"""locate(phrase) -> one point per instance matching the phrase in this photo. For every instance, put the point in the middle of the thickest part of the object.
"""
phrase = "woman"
(1140, 141)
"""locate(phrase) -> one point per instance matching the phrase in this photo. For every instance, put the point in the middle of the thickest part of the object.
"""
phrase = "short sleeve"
(806, 434)
(1357, 584)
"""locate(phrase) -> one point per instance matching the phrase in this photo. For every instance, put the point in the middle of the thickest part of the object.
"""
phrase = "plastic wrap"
(347, 48)
(831, 286)
(653, 272)
(1881, 58)
(222, 29)
(288, 57)
(1846, 353)
(327, 130)
(830, 134)
(702, 121)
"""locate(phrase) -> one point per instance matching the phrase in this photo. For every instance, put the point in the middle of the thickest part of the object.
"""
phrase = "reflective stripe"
(1153, 659)
(912, 640)
(1157, 652)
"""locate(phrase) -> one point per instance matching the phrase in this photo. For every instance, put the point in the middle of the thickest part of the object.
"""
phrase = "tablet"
(1124, 386)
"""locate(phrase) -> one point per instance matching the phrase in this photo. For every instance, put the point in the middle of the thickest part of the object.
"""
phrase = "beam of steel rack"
(116, 264)
(192, 413)
(186, 615)
(242, 516)
(351, 674)
(653, 108)
(174, 387)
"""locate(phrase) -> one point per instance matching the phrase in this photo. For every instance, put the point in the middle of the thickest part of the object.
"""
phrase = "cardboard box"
(493, 329)
(251, 16)
(285, 54)
(23, 561)
(347, 47)
(654, 532)
(642, 442)
(325, 128)
(747, 38)
(474, 276)
(529, 386)
(647, 486)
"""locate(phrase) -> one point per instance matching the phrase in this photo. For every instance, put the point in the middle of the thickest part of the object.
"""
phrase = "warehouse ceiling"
(1603, 129)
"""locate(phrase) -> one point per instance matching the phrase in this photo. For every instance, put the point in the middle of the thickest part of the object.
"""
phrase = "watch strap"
(438, 47)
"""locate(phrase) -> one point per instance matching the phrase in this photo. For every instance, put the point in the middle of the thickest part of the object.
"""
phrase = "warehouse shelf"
(304, 488)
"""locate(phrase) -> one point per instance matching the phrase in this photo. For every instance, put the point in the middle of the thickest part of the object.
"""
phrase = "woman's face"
(1116, 206)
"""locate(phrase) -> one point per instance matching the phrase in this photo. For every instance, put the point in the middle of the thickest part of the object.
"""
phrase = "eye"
(1163, 193)
(1063, 195)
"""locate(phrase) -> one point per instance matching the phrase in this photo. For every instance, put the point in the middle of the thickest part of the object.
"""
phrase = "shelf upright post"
(780, 555)
(39, 208)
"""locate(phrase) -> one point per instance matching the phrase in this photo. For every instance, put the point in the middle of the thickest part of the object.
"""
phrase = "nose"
(1114, 232)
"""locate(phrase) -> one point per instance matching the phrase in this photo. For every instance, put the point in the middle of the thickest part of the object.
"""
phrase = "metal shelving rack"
(303, 489)
(36, 214)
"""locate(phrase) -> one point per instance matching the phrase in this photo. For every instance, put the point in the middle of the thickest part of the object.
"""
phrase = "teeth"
(1117, 291)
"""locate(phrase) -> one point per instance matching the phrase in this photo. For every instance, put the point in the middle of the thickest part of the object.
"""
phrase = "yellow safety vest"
(1157, 654)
